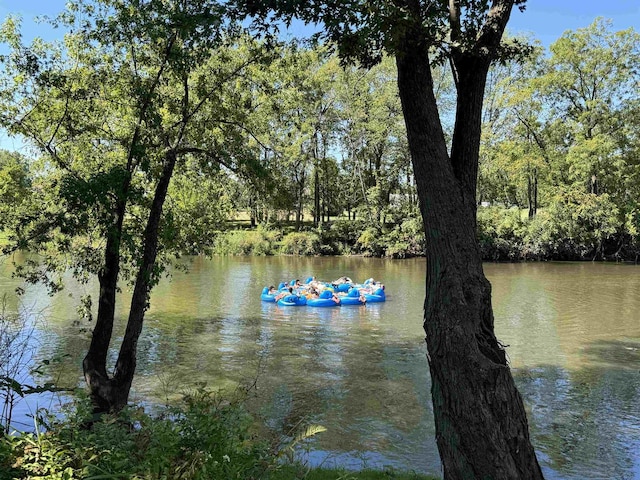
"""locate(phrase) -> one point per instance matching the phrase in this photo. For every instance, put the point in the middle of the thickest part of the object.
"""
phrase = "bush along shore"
(340, 237)
(204, 437)
(503, 234)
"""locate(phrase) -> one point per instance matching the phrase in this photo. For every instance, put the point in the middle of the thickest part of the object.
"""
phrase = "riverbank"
(340, 237)
(503, 236)
(203, 437)
(298, 472)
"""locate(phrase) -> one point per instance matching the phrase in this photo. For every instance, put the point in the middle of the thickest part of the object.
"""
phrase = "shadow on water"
(585, 423)
(617, 354)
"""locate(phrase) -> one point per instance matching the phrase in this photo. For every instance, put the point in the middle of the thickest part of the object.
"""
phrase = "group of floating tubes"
(314, 293)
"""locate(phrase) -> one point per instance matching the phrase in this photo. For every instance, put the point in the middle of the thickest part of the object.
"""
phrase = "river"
(572, 330)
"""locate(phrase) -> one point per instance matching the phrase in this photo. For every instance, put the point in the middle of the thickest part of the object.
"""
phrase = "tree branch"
(207, 154)
(201, 103)
(491, 32)
(454, 20)
(147, 100)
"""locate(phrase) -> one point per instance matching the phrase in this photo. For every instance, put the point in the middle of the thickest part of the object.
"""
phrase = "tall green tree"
(590, 86)
(561, 129)
(298, 119)
(372, 135)
(138, 88)
(515, 151)
(481, 425)
(590, 82)
(308, 114)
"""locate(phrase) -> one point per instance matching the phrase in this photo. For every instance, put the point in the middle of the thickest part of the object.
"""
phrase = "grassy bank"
(296, 472)
(503, 235)
(341, 237)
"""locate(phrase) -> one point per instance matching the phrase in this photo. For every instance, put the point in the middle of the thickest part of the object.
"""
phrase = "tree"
(372, 135)
(137, 89)
(15, 183)
(481, 425)
(199, 202)
(514, 152)
(590, 89)
(305, 116)
(590, 83)
(562, 128)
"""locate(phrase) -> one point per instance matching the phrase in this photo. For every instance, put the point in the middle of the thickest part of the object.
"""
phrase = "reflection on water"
(573, 331)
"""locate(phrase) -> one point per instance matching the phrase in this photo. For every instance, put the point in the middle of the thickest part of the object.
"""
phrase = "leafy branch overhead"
(100, 109)
(363, 30)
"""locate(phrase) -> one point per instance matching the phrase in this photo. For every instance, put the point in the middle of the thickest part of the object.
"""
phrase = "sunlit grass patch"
(293, 472)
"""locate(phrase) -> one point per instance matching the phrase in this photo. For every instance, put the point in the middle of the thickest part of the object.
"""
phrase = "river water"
(573, 331)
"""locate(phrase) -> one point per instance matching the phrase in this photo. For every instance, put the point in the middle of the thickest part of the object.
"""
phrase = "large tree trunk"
(112, 393)
(95, 362)
(481, 425)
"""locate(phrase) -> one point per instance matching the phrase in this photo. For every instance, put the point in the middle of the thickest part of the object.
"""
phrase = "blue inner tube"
(343, 287)
(322, 302)
(376, 296)
(266, 296)
(292, 301)
(351, 300)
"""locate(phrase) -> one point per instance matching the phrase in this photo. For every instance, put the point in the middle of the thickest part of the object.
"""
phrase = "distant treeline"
(323, 163)
(503, 234)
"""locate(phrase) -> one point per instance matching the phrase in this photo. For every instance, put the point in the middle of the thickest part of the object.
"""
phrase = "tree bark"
(126, 363)
(316, 192)
(481, 425)
(532, 192)
(94, 364)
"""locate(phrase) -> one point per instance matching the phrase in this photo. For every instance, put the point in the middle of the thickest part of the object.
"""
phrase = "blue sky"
(545, 20)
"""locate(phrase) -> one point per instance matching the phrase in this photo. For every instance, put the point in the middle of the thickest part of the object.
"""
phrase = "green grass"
(292, 472)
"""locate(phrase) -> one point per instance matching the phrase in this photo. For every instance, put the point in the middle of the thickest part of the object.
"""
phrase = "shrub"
(576, 225)
(301, 243)
(412, 231)
(203, 438)
(346, 231)
(500, 233)
(7, 459)
(261, 241)
(340, 237)
(371, 242)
